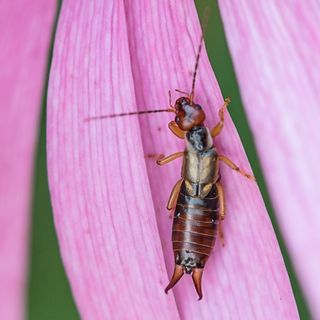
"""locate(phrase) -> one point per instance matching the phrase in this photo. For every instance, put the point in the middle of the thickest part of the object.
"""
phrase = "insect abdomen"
(194, 228)
(194, 232)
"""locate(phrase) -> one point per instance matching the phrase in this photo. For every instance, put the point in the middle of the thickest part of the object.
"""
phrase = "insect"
(197, 199)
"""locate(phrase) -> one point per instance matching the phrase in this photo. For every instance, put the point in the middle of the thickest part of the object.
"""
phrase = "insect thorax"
(199, 139)
(200, 169)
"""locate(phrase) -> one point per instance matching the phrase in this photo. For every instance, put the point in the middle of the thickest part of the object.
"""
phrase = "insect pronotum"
(197, 199)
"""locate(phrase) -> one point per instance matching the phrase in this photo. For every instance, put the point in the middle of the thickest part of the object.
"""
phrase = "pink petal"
(104, 212)
(25, 28)
(100, 193)
(247, 279)
(275, 49)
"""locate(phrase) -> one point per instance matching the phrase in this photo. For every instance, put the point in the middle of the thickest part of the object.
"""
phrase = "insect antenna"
(205, 23)
(195, 70)
(183, 92)
(170, 100)
(116, 115)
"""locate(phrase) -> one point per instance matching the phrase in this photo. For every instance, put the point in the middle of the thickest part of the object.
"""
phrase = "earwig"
(197, 199)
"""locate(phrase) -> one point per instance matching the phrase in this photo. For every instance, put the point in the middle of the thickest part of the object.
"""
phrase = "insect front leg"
(222, 211)
(165, 160)
(230, 164)
(172, 125)
(176, 130)
(217, 129)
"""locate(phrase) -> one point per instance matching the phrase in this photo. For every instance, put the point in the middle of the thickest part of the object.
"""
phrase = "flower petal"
(23, 58)
(99, 187)
(275, 49)
(247, 279)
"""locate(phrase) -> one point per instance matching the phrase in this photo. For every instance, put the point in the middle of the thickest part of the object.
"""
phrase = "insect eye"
(197, 107)
(177, 119)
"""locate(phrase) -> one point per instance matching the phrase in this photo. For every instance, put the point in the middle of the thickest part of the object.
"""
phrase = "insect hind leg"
(222, 211)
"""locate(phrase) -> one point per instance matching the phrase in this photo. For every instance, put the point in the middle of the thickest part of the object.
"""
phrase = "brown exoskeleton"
(197, 198)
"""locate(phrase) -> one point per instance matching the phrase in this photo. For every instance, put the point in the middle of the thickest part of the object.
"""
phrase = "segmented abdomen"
(194, 228)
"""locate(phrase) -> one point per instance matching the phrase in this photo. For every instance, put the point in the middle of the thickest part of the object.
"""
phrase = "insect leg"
(176, 130)
(170, 158)
(217, 129)
(229, 163)
(222, 211)
(174, 195)
(154, 155)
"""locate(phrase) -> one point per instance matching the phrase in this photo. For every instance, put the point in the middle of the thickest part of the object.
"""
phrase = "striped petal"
(275, 49)
(109, 197)
(23, 58)
(247, 279)
(100, 193)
